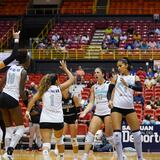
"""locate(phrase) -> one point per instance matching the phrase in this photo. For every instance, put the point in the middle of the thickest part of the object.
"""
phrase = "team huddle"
(113, 100)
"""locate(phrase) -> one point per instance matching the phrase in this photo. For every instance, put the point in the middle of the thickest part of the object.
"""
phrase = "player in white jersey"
(14, 52)
(121, 102)
(98, 97)
(9, 102)
(52, 112)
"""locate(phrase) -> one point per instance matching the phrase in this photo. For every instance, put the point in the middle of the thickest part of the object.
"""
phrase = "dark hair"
(53, 78)
(103, 72)
(22, 56)
(126, 61)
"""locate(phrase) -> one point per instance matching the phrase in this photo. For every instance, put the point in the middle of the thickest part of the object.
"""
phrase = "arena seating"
(13, 7)
(77, 7)
(130, 7)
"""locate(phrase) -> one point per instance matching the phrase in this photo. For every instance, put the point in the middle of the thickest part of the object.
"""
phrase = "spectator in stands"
(129, 46)
(85, 39)
(141, 72)
(33, 88)
(137, 44)
(91, 83)
(146, 120)
(76, 38)
(79, 74)
(158, 103)
(55, 38)
(157, 76)
(158, 44)
(158, 120)
(151, 104)
(108, 30)
(101, 143)
(14, 52)
(130, 30)
(123, 37)
(52, 113)
(139, 98)
(150, 72)
(151, 31)
(157, 31)
(149, 82)
(117, 31)
(144, 45)
(137, 36)
(152, 44)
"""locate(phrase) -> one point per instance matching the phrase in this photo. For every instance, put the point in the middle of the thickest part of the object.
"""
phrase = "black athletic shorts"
(48, 125)
(70, 119)
(102, 117)
(124, 112)
(7, 101)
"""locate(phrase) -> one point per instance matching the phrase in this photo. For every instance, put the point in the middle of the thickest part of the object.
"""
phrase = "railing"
(81, 54)
(42, 11)
(4, 41)
(43, 33)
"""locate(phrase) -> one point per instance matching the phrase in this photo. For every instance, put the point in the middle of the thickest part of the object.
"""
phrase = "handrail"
(7, 36)
(43, 33)
(83, 54)
(42, 11)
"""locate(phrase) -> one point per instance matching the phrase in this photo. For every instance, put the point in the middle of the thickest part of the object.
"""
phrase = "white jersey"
(101, 100)
(52, 106)
(123, 96)
(13, 81)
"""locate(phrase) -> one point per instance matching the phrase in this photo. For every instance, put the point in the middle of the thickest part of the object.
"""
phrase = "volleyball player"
(98, 97)
(9, 102)
(122, 105)
(52, 112)
(71, 111)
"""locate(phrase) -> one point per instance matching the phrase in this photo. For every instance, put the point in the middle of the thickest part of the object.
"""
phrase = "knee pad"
(59, 141)
(89, 138)
(110, 140)
(117, 137)
(9, 132)
(46, 145)
(20, 130)
(74, 142)
(137, 136)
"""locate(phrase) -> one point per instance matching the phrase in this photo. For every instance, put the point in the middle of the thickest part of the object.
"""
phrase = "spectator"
(144, 45)
(139, 98)
(129, 46)
(152, 44)
(149, 82)
(158, 44)
(136, 36)
(157, 31)
(150, 72)
(117, 30)
(123, 37)
(108, 30)
(80, 74)
(85, 39)
(130, 30)
(146, 120)
(158, 120)
(152, 103)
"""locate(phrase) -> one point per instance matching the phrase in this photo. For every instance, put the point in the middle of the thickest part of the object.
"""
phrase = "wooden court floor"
(35, 155)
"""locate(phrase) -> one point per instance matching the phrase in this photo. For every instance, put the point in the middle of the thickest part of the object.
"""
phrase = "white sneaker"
(85, 156)
(125, 157)
(60, 157)
(6, 157)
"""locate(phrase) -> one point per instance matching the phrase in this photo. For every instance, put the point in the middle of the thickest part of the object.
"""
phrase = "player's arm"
(14, 51)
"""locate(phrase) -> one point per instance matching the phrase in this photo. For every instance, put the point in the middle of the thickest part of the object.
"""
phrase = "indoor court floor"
(35, 155)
